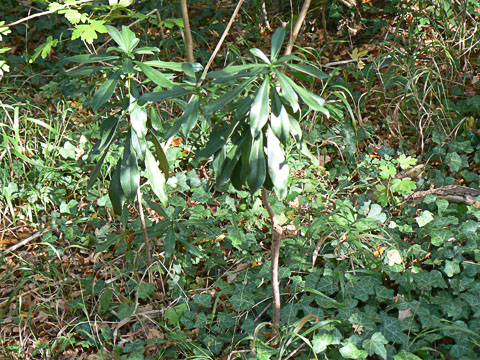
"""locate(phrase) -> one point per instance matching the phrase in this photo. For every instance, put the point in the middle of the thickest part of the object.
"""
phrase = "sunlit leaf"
(277, 42)
(155, 176)
(260, 109)
(277, 165)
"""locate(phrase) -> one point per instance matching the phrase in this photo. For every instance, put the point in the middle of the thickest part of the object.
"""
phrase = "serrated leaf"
(277, 165)
(277, 42)
(129, 174)
(155, 176)
(376, 345)
(88, 32)
(115, 192)
(104, 92)
(260, 109)
(154, 75)
(256, 176)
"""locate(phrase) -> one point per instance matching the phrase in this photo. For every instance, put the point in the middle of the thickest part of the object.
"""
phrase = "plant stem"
(144, 227)
(277, 232)
(187, 32)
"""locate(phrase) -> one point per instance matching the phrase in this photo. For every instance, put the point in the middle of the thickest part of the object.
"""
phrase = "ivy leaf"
(320, 342)
(451, 268)
(424, 219)
(350, 351)
(376, 345)
(454, 162)
(405, 355)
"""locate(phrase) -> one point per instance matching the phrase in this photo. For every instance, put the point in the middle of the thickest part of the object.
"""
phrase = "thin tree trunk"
(187, 32)
(297, 27)
(277, 233)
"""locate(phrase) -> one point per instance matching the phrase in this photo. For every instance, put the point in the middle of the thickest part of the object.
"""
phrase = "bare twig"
(297, 27)
(48, 12)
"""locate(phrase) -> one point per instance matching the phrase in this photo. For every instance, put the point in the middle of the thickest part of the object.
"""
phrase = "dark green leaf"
(223, 100)
(309, 70)
(260, 109)
(104, 92)
(256, 177)
(217, 140)
(277, 42)
(191, 117)
(96, 170)
(171, 65)
(313, 101)
(156, 76)
(115, 192)
(90, 58)
(162, 159)
(107, 130)
(129, 174)
(279, 120)
(174, 92)
(169, 243)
